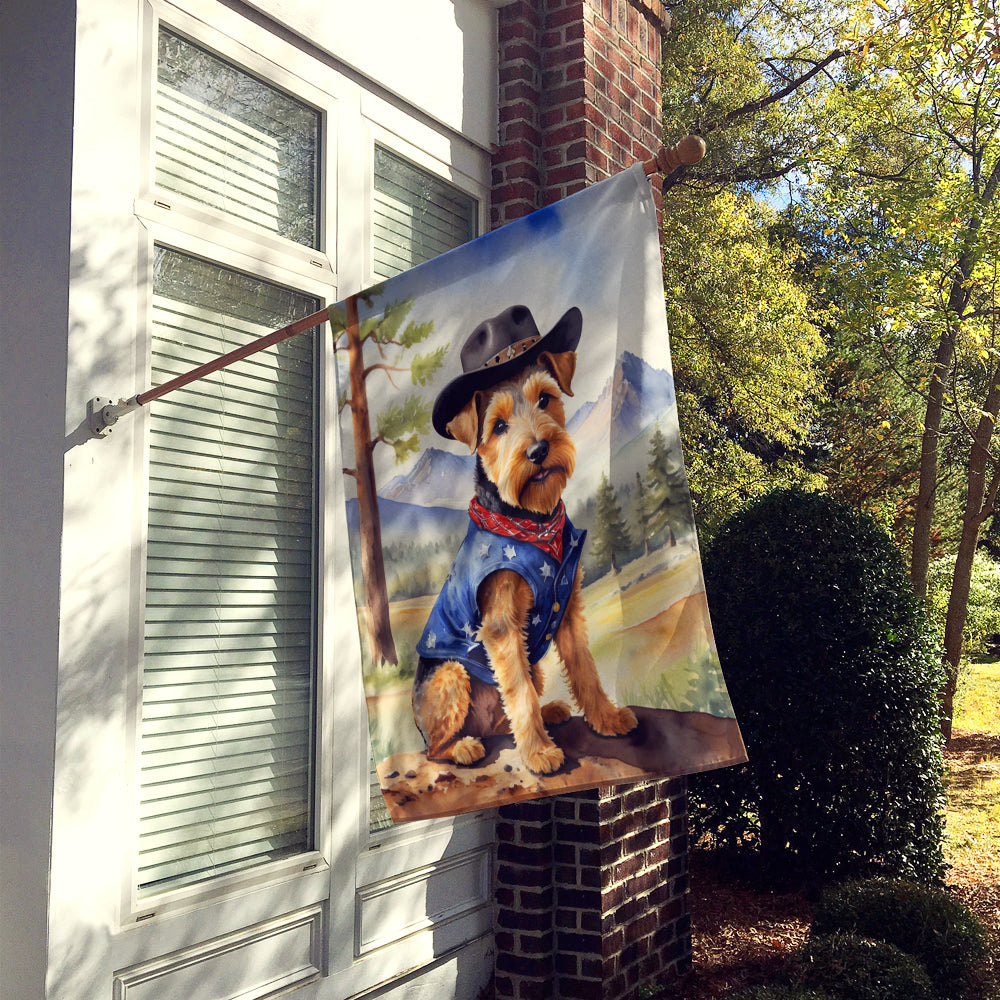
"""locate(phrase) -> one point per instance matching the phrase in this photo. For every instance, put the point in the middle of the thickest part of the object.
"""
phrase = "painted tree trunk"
(381, 645)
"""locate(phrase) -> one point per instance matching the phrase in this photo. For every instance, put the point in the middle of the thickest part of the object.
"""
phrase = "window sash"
(415, 215)
(228, 140)
(229, 666)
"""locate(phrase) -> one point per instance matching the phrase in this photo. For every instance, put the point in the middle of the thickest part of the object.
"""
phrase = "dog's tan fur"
(500, 424)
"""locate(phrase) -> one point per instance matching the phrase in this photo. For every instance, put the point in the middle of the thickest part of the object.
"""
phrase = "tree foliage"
(876, 127)
(747, 354)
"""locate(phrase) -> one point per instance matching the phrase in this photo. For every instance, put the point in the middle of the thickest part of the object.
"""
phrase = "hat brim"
(564, 336)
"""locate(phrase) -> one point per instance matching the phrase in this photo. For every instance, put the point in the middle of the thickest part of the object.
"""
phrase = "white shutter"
(228, 665)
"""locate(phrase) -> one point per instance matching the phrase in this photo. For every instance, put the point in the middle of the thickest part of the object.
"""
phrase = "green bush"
(925, 922)
(856, 968)
(833, 671)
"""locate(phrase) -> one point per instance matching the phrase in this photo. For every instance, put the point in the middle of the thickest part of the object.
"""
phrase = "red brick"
(563, 54)
(581, 989)
(522, 90)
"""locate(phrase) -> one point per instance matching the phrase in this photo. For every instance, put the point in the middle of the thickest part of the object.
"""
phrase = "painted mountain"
(611, 430)
(433, 481)
(632, 399)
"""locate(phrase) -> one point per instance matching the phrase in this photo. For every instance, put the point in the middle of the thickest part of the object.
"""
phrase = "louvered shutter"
(416, 216)
(228, 678)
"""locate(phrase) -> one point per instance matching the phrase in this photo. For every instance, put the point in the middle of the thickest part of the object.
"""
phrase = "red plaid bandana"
(546, 535)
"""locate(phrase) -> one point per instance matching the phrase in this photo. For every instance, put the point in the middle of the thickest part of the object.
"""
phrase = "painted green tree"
(380, 345)
(611, 537)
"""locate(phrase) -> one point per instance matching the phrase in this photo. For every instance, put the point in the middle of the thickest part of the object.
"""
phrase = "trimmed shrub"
(834, 672)
(857, 968)
(925, 922)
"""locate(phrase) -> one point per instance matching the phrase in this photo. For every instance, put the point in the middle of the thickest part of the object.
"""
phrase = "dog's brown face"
(518, 428)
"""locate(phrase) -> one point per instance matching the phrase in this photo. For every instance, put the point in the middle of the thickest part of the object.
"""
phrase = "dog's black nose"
(538, 452)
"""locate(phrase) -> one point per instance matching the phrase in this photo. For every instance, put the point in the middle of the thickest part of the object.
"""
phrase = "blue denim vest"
(451, 630)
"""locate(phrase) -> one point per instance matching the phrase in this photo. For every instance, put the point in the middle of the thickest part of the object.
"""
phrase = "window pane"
(228, 140)
(228, 665)
(417, 215)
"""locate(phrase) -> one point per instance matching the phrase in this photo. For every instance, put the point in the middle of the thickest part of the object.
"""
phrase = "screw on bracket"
(103, 413)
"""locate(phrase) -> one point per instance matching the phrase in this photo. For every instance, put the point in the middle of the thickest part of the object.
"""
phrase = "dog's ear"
(562, 366)
(464, 426)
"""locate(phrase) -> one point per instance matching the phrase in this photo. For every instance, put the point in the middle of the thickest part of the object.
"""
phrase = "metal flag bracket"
(103, 413)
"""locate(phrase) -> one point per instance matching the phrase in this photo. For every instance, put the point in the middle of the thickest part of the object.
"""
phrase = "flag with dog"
(531, 611)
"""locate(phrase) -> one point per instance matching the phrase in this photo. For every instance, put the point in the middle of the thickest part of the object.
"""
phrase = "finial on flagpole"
(668, 158)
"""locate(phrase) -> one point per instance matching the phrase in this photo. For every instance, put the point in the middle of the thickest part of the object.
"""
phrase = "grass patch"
(977, 699)
(973, 781)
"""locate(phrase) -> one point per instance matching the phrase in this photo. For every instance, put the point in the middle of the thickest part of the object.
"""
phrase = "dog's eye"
(499, 427)
(543, 400)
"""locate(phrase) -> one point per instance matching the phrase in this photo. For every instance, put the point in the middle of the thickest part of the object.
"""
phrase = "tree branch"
(754, 106)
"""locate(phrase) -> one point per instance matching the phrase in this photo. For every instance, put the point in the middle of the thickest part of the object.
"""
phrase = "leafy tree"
(611, 535)
(745, 76)
(747, 354)
(398, 426)
(912, 187)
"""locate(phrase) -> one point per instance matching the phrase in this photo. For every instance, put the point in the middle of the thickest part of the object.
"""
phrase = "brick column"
(579, 96)
(591, 889)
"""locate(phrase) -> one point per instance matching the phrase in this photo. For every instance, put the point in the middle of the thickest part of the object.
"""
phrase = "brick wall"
(591, 889)
(591, 893)
(579, 96)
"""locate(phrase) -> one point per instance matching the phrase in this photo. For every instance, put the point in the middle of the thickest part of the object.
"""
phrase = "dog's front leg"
(504, 601)
(598, 709)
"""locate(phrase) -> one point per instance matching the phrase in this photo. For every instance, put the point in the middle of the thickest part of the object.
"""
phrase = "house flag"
(531, 609)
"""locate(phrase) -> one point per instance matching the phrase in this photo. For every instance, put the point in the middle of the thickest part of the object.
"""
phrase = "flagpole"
(103, 413)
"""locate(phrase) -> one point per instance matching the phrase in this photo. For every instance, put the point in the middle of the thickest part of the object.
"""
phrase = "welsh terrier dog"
(515, 584)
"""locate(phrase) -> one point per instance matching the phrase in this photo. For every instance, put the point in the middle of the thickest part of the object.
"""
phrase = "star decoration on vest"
(484, 550)
(431, 640)
(546, 570)
(510, 552)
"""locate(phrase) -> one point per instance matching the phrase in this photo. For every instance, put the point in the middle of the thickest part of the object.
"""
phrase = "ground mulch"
(742, 934)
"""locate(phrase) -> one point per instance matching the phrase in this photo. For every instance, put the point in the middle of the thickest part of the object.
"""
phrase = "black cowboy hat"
(498, 348)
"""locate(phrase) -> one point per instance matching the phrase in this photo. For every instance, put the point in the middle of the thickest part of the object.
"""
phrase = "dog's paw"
(467, 750)
(614, 721)
(555, 712)
(546, 760)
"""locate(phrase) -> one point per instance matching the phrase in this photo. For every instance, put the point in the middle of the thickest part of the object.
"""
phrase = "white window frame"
(349, 871)
(179, 224)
